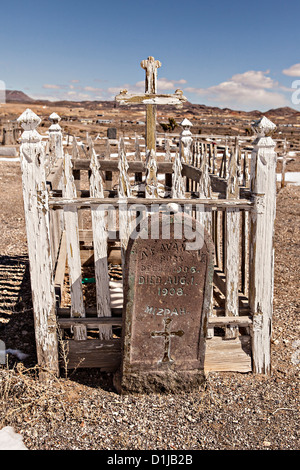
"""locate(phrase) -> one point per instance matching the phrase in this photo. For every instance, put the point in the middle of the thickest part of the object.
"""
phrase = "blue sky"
(238, 54)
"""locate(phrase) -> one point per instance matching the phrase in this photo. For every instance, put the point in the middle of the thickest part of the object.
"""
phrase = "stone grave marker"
(112, 133)
(167, 292)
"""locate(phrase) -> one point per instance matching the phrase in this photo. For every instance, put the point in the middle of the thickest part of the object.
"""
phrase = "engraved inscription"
(166, 311)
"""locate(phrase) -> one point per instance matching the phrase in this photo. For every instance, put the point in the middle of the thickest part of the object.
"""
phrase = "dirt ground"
(82, 411)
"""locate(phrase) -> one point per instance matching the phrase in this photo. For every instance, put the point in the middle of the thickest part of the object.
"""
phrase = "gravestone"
(167, 292)
(112, 133)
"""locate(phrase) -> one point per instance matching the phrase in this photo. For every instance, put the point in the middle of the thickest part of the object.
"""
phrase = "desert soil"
(82, 411)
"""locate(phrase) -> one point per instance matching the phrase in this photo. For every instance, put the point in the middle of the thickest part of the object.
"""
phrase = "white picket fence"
(239, 211)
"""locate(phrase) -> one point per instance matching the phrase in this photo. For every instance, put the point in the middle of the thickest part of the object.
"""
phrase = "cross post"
(151, 99)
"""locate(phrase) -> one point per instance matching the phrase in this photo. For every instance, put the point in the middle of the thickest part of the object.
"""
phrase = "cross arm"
(125, 98)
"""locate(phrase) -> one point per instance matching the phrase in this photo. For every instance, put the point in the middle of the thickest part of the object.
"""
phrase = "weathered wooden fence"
(83, 207)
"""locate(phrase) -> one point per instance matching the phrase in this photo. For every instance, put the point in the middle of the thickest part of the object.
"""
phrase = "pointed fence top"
(263, 127)
(29, 120)
(54, 117)
(186, 123)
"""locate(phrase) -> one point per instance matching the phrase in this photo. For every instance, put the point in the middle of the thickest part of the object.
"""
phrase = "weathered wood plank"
(263, 187)
(72, 241)
(57, 202)
(90, 322)
(60, 269)
(124, 191)
(105, 355)
(231, 246)
(36, 208)
(228, 356)
(100, 246)
(221, 355)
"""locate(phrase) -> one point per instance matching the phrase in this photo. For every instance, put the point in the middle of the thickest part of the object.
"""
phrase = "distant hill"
(15, 96)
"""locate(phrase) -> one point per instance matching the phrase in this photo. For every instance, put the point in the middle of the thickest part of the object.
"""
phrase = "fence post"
(185, 141)
(55, 139)
(36, 209)
(263, 189)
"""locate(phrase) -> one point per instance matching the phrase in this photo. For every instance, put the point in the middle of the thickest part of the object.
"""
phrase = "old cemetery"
(156, 266)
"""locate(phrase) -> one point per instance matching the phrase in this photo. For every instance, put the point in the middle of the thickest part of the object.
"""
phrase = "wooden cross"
(150, 98)
(166, 334)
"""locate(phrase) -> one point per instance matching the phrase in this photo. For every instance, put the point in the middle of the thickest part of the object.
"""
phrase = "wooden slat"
(232, 355)
(60, 269)
(231, 245)
(87, 202)
(221, 355)
(105, 355)
(72, 241)
(134, 166)
(90, 322)
(100, 246)
(238, 321)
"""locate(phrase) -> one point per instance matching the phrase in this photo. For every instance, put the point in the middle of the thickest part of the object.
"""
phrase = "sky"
(244, 55)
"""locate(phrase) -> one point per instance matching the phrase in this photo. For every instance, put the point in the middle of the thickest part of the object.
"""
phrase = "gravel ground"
(230, 412)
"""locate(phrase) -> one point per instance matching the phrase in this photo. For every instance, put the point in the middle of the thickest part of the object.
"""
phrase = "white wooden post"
(178, 186)
(73, 249)
(263, 189)
(186, 140)
(124, 192)
(283, 168)
(232, 254)
(100, 236)
(36, 209)
(55, 139)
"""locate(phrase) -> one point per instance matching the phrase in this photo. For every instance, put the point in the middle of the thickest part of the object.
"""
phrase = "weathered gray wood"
(185, 141)
(36, 210)
(92, 323)
(58, 202)
(55, 139)
(151, 189)
(105, 355)
(178, 187)
(72, 240)
(263, 187)
(60, 269)
(232, 356)
(124, 192)
(283, 168)
(100, 246)
(228, 356)
(231, 246)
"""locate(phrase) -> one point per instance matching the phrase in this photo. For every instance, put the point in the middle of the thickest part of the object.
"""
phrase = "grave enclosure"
(186, 311)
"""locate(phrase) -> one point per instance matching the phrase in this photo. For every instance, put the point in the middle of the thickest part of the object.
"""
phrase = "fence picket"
(72, 240)
(100, 236)
(232, 234)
